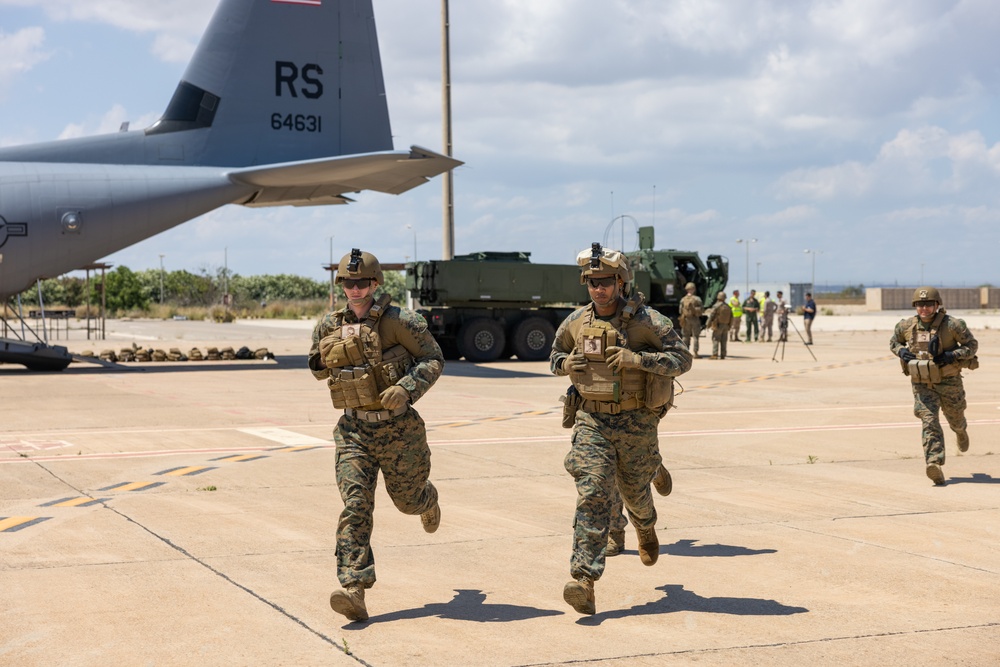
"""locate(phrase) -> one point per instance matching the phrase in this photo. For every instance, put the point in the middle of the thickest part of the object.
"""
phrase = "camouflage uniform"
(609, 449)
(396, 445)
(946, 396)
(691, 311)
(720, 317)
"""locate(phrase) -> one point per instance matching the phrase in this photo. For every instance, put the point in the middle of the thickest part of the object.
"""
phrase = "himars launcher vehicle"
(491, 305)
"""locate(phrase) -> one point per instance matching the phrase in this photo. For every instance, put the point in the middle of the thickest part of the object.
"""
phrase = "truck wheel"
(533, 339)
(481, 339)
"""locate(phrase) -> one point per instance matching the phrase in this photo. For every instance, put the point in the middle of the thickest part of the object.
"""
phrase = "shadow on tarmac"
(470, 370)
(467, 605)
(677, 599)
(689, 548)
(975, 478)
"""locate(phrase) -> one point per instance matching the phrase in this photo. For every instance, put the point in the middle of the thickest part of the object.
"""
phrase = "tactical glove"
(933, 345)
(620, 357)
(906, 355)
(575, 362)
(394, 397)
(945, 358)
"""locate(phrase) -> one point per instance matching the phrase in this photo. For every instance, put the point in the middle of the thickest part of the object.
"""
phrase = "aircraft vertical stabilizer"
(281, 81)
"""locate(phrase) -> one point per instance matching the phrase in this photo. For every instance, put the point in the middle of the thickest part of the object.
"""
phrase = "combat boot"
(662, 482)
(935, 474)
(350, 602)
(963, 440)
(616, 543)
(431, 518)
(649, 545)
(579, 593)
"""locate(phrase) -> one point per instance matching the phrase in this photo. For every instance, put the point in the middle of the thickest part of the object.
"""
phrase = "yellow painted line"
(10, 524)
(132, 486)
(242, 457)
(190, 470)
(303, 448)
(75, 502)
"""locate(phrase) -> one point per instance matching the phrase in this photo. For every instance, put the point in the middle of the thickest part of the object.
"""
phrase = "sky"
(864, 131)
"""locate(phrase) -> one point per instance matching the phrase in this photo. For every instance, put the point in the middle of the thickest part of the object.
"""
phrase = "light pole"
(161, 280)
(414, 242)
(812, 283)
(758, 274)
(747, 242)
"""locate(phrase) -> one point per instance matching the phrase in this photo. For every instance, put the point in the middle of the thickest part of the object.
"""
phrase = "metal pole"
(449, 197)
(161, 280)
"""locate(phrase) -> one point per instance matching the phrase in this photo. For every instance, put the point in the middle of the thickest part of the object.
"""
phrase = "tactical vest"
(923, 370)
(360, 369)
(602, 389)
(690, 308)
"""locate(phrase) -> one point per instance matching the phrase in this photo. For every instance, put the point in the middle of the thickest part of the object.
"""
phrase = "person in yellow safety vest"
(737, 307)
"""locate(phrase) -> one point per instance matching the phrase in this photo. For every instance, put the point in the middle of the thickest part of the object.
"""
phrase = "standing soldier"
(377, 359)
(767, 326)
(933, 348)
(720, 316)
(750, 307)
(736, 306)
(691, 311)
(621, 358)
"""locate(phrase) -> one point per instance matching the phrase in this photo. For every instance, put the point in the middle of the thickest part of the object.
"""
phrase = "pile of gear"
(136, 353)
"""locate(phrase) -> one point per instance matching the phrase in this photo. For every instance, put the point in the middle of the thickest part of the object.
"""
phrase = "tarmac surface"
(185, 513)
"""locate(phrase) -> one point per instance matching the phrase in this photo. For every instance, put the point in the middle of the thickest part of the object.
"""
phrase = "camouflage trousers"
(767, 327)
(948, 396)
(720, 338)
(690, 332)
(398, 447)
(608, 451)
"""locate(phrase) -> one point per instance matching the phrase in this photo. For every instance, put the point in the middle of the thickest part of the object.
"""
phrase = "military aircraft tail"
(277, 81)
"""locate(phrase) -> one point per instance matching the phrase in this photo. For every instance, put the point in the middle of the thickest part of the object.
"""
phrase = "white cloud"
(919, 162)
(19, 53)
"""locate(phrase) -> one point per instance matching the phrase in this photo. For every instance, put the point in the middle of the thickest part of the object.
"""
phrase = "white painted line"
(283, 436)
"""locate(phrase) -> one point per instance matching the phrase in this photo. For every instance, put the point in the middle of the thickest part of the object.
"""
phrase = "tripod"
(783, 323)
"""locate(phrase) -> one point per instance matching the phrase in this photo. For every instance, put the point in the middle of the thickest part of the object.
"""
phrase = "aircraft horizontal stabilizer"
(323, 181)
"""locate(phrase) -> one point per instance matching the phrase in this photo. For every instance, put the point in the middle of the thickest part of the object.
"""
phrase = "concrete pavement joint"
(744, 647)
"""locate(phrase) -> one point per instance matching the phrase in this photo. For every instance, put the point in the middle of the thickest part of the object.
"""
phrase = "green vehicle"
(491, 305)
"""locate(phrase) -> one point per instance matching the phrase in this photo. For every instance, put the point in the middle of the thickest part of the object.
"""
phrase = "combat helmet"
(926, 294)
(603, 260)
(358, 265)
(690, 286)
(721, 296)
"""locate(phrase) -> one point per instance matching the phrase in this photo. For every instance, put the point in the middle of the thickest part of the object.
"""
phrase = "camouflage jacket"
(648, 332)
(720, 316)
(396, 326)
(954, 335)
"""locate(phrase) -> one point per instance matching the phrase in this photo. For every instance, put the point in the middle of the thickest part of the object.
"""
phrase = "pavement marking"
(132, 486)
(11, 524)
(185, 471)
(283, 436)
(83, 501)
(303, 448)
(19, 445)
(240, 458)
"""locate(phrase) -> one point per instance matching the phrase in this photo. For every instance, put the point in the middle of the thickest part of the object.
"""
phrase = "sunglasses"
(601, 282)
(926, 304)
(363, 283)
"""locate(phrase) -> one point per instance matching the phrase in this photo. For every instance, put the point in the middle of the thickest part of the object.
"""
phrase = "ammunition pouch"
(353, 387)
(659, 391)
(396, 361)
(344, 352)
(571, 403)
(923, 371)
